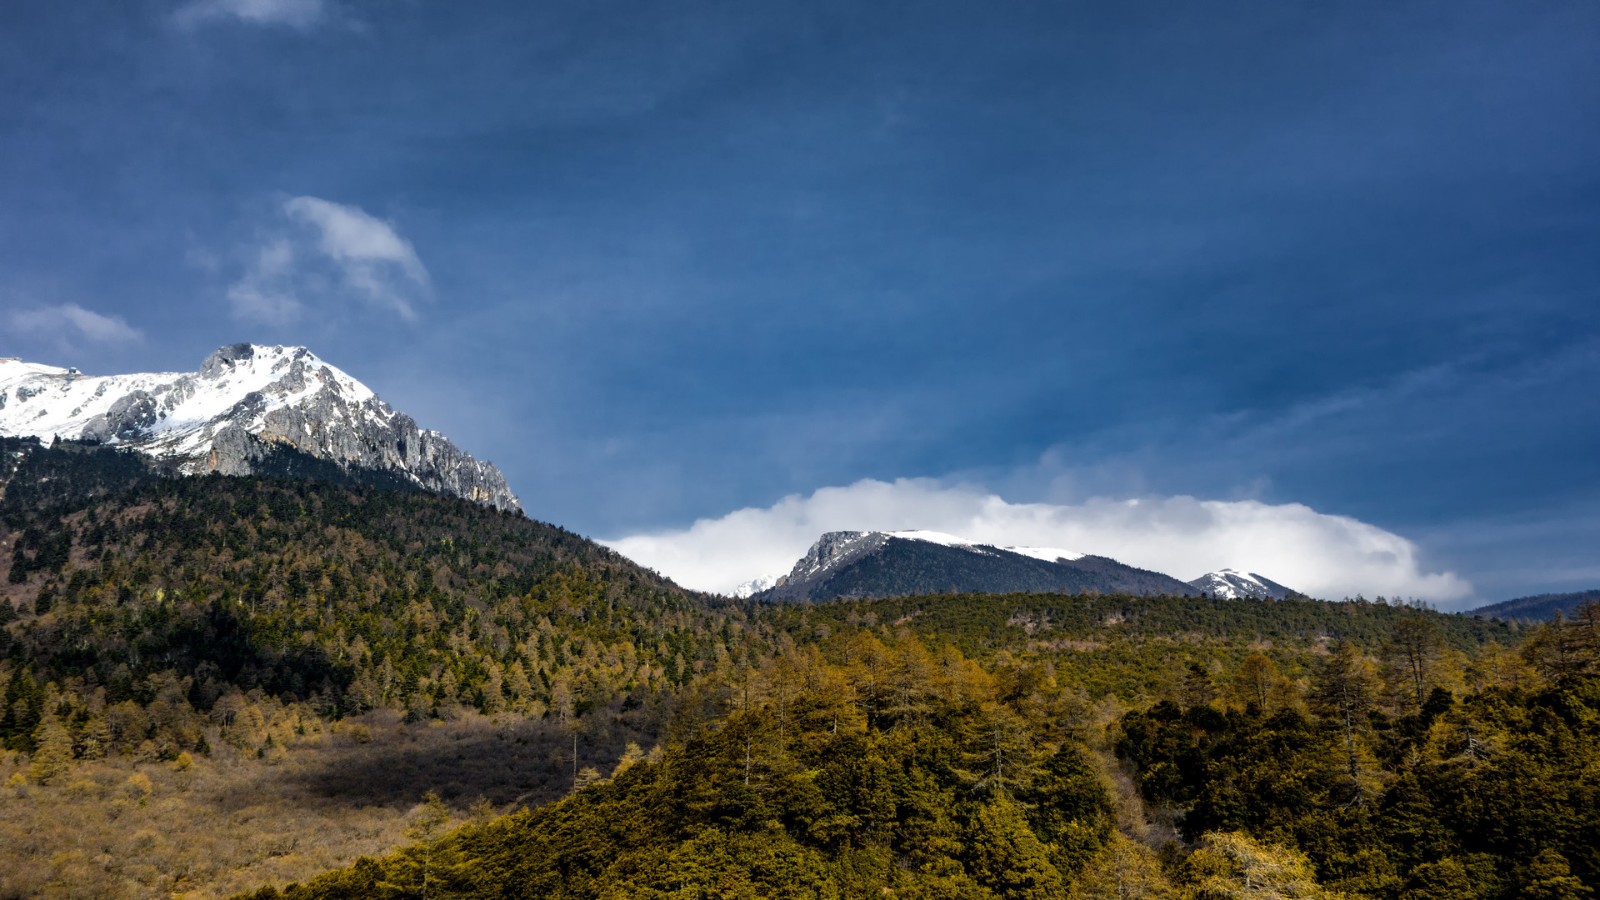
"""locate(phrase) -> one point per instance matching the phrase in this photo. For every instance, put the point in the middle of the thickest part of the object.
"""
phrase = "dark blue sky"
(684, 258)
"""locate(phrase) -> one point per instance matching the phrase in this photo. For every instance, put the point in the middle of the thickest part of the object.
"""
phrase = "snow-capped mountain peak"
(756, 585)
(243, 398)
(1235, 585)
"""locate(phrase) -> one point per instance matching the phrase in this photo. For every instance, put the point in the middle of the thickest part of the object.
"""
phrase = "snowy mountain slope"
(886, 563)
(225, 416)
(1234, 585)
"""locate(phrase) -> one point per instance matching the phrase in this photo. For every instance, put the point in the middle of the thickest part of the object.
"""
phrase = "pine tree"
(419, 866)
(1444, 879)
(1123, 870)
(1550, 878)
(1007, 857)
(1233, 866)
(1254, 680)
(1344, 693)
(1414, 648)
(53, 753)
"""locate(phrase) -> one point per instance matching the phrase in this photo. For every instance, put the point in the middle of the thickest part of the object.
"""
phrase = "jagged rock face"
(835, 549)
(244, 397)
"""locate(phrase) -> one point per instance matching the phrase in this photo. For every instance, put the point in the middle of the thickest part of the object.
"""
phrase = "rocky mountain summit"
(228, 417)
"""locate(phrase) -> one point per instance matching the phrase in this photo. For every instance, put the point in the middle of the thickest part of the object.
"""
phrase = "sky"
(1309, 291)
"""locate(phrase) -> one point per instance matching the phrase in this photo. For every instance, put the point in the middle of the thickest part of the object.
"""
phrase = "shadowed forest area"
(321, 794)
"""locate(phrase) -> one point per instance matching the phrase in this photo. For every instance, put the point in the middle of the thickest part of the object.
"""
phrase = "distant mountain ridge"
(897, 563)
(1539, 607)
(226, 417)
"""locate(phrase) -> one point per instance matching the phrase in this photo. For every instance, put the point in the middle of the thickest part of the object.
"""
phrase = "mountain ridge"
(1538, 606)
(889, 563)
(1003, 570)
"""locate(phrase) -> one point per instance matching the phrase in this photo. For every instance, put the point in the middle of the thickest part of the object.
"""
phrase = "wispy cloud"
(333, 253)
(69, 326)
(266, 293)
(376, 260)
(300, 14)
(1322, 555)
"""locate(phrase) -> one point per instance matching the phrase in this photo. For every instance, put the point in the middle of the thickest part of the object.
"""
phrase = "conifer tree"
(1443, 879)
(1233, 866)
(1254, 680)
(1007, 857)
(1550, 878)
(1344, 693)
(53, 750)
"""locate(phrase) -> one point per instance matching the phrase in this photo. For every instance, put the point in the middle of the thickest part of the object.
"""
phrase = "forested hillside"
(346, 599)
(214, 684)
(896, 768)
(149, 621)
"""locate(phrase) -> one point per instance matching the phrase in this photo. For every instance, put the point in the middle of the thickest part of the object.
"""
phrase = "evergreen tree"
(1233, 866)
(1549, 877)
(1414, 648)
(53, 754)
(1444, 879)
(1344, 692)
(1007, 857)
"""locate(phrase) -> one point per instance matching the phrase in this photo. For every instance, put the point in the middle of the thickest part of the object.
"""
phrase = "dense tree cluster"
(890, 767)
(1394, 784)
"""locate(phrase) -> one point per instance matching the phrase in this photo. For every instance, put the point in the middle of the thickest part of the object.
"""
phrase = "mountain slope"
(1234, 585)
(225, 418)
(245, 637)
(359, 596)
(882, 564)
(1538, 606)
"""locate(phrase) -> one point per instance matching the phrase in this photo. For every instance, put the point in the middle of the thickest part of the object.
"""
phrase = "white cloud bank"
(291, 13)
(1318, 554)
(69, 324)
(332, 252)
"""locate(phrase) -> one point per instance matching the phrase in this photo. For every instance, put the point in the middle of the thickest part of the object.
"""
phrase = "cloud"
(300, 14)
(266, 293)
(370, 251)
(1319, 554)
(329, 253)
(69, 324)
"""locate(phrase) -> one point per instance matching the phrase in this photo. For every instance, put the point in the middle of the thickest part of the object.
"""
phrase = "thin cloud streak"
(368, 250)
(265, 294)
(299, 14)
(1320, 554)
(68, 325)
(329, 252)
